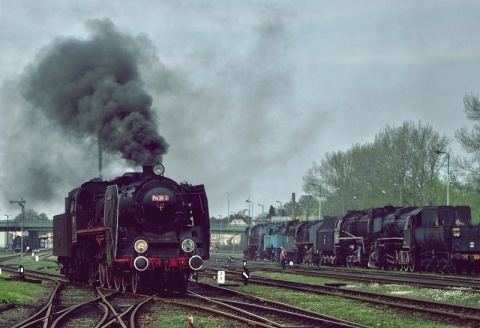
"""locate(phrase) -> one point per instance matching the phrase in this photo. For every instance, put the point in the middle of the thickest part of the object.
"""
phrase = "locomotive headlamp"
(195, 262)
(140, 263)
(158, 169)
(141, 246)
(456, 232)
(188, 245)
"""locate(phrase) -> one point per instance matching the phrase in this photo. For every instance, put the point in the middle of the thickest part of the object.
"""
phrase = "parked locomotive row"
(433, 239)
(140, 231)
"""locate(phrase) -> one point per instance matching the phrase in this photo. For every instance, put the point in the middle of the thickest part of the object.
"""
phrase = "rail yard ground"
(367, 314)
(457, 295)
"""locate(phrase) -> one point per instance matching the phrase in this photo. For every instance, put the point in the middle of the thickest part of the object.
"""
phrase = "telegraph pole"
(21, 203)
(6, 244)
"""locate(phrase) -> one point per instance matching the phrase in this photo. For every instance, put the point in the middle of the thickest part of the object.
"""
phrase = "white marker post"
(221, 277)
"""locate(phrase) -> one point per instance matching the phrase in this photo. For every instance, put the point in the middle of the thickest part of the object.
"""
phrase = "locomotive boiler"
(141, 232)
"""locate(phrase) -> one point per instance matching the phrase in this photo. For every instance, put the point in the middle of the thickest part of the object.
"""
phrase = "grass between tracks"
(178, 318)
(458, 296)
(363, 313)
(29, 263)
(20, 292)
(23, 292)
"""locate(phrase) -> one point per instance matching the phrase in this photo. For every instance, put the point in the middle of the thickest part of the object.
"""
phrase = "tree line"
(405, 165)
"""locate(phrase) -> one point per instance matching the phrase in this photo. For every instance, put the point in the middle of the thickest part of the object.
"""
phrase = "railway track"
(469, 281)
(449, 313)
(361, 275)
(374, 277)
(103, 310)
(72, 305)
(203, 302)
(262, 312)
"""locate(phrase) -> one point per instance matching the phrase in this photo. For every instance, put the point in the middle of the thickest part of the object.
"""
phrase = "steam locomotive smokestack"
(99, 157)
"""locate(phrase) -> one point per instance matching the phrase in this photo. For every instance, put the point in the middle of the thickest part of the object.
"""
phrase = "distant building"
(226, 233)
(289, 218)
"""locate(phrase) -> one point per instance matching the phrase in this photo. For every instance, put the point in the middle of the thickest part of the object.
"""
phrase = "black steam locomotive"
(433, 239)
(17, 244)
(139, 232)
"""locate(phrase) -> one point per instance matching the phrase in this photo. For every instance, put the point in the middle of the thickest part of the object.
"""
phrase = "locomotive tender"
(141, 231)
(431, 238)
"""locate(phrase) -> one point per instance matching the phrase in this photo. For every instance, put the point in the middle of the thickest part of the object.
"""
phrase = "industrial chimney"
(294, 216)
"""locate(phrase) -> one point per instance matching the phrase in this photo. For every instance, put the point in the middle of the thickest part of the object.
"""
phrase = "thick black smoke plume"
(93, 88)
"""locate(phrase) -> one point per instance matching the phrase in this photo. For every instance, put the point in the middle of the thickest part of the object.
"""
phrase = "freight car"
(141, 231)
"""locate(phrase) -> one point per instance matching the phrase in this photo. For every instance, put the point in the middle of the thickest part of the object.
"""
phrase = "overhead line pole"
(22, 205)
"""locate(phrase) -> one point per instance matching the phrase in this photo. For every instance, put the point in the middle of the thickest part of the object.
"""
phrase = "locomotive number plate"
(159, 198)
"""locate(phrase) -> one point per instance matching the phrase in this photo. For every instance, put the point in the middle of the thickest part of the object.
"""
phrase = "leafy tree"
(470, 139)
(31, 215)
(307, 207)
(400, 168)
(271, 212)
(42, 217)
(409, 155)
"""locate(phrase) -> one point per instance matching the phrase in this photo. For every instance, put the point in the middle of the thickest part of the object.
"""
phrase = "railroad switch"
(21, 276)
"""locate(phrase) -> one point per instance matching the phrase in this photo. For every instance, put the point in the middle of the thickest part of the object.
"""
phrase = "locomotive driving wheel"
(92, 276)
(469, 269)
(455, 268)
(109, 278)
(411, 262)
(126, 281)
(136, 286)
(102, 274)
(117, 280)
(477, 270)
(411, 266)
(350, 261)
(396, 265)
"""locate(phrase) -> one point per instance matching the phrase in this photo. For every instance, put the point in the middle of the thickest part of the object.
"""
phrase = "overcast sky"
(247, 94)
